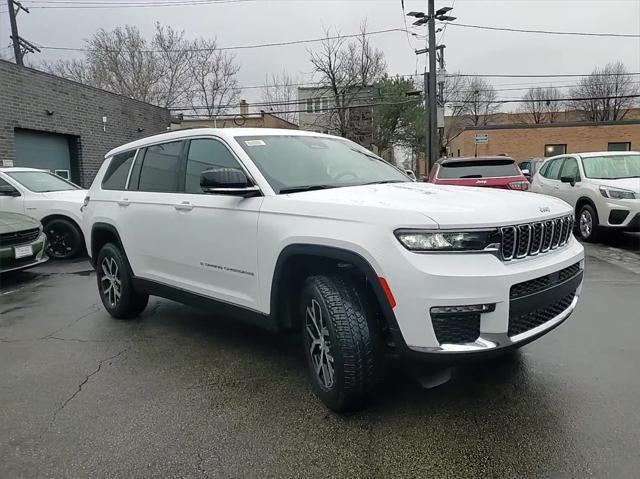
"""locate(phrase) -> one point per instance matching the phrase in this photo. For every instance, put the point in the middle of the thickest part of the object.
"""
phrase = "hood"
(74, 196)
(632, 184)
(448, 206)
(12, 222)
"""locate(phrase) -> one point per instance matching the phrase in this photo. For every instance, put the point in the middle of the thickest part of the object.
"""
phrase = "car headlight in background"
(617, 193)
(417, 240)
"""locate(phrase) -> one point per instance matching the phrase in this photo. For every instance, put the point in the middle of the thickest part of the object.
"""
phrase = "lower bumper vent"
(457, 328)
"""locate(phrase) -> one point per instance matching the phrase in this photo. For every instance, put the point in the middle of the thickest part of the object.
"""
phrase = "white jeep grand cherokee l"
(298, 231)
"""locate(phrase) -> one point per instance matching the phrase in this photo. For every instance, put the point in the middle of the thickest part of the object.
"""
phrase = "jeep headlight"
(419, 240)
(617, 193)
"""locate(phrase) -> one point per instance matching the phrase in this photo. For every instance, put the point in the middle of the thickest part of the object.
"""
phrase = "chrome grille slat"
(530, 239)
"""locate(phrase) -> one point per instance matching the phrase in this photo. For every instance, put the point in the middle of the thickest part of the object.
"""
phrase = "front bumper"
(620, 214)
(420, 282)
(8, 262)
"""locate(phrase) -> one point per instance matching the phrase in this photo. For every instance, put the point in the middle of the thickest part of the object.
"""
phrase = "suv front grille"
(524, 322)
(457, 328)
(530, 239)
(19, 237)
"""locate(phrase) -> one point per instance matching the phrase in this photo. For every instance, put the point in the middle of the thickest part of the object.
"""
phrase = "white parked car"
(602, 187)
(52, 200)
(298, 231)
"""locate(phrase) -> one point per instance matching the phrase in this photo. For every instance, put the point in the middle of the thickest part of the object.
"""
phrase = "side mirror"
(227, 181)
(411, 174)
(8, 190)
(568, 179)
(526, 172)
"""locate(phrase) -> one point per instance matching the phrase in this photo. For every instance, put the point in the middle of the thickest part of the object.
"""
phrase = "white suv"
(602, 187)
(298, 231)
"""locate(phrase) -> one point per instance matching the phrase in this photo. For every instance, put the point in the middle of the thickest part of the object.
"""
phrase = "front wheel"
(64, 239)
(342, 345)
(588, 223)
(115, 284)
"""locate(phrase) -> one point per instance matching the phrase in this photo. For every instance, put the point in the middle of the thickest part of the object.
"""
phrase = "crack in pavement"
(94, 309)
(79, 388)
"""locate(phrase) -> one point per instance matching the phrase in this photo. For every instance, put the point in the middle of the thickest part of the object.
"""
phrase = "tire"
(587, 224)
(345, 374)
(114, 276)
(64, 239)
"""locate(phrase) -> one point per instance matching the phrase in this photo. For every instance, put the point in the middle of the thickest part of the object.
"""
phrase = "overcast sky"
(468, 50)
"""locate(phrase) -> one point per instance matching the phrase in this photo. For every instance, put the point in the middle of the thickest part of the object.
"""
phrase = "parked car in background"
(50, 199)
(22, 242)
(602, 187)
(299, 231)
(486, 171)
(530, 167)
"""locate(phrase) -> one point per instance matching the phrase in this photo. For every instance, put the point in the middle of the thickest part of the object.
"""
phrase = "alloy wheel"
(586, 223)
(60, 242)
(110, 281)
(320, 345)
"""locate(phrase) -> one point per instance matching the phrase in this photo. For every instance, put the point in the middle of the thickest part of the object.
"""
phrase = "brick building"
(523, 141)
(66, 127)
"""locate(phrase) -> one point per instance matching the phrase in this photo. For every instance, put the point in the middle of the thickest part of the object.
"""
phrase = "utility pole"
(430, 92)
(20, 45)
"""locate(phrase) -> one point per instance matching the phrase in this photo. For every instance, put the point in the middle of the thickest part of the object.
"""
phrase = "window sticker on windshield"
(255, 143)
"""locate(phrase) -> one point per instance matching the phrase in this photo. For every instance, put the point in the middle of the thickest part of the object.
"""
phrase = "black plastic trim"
(617, 216)
(105, 227)
(346, 256)
(525, 304)
(240, 313)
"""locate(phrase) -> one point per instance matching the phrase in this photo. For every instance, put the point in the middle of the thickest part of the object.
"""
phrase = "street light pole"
(433, 106)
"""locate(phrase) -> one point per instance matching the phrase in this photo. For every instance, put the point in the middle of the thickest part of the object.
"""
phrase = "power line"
(545, 32)
(112, 5)
(243, 47)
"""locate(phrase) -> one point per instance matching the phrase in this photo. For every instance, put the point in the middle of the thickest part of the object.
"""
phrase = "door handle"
(124, 202)
(184, 206)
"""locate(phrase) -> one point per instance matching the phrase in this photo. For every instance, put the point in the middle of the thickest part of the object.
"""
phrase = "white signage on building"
(482, 138)
(7, 163)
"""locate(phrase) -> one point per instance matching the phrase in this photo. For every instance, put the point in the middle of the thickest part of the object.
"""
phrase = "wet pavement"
(177, 393)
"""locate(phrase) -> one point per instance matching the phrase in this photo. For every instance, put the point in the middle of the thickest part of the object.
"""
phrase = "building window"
(553, 150)
(309, 105)
(316, 105)
(620, 146)
(325, 103)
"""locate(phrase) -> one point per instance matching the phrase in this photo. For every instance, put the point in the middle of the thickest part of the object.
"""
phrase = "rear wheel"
(64, 239)
(116, 286)
(342, 345)
(588, 223)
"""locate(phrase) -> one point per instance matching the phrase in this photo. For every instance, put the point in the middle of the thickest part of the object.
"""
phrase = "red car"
(487, 171)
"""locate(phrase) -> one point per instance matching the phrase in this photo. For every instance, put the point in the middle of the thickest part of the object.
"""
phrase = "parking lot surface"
(177, 393)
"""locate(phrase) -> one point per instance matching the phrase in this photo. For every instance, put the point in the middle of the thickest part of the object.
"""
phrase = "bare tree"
(346, 71)
(173, 53)
(279, 95)
(216, 87)
(480, 101)
(454, 94)
(541, 105)
(605, 95)
(168, 70)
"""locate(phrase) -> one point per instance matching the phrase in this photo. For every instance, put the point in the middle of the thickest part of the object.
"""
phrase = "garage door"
(35, 149)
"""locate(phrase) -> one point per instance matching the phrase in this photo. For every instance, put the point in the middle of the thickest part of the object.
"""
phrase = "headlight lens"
(617, 193)
(416, 240)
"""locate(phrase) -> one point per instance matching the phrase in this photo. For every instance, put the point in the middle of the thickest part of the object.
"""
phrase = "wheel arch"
(60, 216)
(297, 261)
(585, 200)
(101, 234)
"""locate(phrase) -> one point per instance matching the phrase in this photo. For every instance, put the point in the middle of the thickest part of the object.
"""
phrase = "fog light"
(471, 308)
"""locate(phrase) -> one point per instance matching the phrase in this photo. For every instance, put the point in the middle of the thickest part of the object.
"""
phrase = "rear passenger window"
(205, 154)
(161, 168)
(116, 176)
(551, 169)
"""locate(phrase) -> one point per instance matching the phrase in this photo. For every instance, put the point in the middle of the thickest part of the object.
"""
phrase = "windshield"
(41, 181)
(478, 169)
(612, 167)
(294, 163)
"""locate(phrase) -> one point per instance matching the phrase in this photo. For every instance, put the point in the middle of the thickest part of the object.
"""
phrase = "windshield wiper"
(298, 189)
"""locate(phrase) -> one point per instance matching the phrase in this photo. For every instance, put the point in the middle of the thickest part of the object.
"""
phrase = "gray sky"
(468, 50)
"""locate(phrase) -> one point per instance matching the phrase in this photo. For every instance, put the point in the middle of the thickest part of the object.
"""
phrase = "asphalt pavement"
(178, 393)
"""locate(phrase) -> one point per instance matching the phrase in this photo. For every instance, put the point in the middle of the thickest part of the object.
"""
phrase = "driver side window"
(205, 154)
(570, 169)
